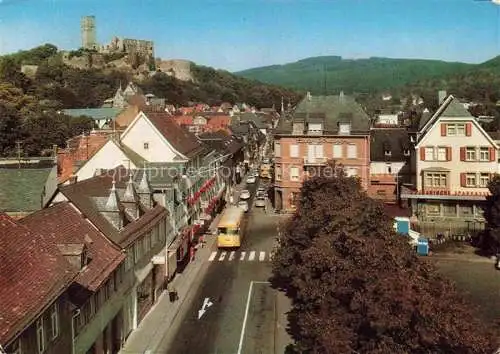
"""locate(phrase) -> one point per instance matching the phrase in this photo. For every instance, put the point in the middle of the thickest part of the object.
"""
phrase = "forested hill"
(70, 87)
(28, 104)
(333, 73)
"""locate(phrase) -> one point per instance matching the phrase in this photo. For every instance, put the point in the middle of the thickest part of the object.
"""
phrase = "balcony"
(315, 161)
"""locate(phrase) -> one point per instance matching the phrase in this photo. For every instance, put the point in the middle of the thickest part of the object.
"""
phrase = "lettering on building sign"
(322, 140)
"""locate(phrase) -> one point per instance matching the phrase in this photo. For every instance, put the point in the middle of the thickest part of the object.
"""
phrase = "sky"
(241, 34)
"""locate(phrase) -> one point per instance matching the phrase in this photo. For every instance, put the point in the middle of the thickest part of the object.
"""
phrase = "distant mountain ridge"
(327, 74)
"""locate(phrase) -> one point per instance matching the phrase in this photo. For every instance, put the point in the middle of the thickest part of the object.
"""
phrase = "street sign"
(206, 304)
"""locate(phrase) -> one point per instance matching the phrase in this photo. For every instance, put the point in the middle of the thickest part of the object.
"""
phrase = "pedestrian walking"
(172, 292)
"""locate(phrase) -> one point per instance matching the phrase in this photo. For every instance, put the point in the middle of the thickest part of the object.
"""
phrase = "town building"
(455, 159)
(390, 162)
(123, 209)
(97, 290)
(34, 300)
(321, 129)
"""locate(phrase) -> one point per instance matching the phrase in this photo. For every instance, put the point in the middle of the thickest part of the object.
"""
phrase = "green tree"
(10, 129)
(491, 239)
(358, 287)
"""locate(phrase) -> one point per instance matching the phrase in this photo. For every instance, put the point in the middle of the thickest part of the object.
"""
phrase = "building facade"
(322, 129)
(455, 159)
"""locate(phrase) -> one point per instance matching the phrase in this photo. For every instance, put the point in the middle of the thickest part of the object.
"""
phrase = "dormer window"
(344, 128)
(387, 153)
(315, 128)
(406, 152)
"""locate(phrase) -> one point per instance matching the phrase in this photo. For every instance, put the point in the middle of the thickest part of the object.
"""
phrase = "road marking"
(231, 255)
(212, 256)
(242, 255)
(243, 327)
(262, 256)
(222, 256)
(252, 256)
(206, 304)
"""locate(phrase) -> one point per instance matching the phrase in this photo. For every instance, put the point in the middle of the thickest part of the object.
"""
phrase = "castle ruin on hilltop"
(143, 48)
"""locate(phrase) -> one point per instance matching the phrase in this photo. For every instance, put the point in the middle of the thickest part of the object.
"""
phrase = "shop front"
(145, 296)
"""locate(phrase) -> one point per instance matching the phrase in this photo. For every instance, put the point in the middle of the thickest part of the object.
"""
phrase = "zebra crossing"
(248, 256)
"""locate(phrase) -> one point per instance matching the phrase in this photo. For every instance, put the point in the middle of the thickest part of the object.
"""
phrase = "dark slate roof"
(21, 190)
(182, 140)
(85, 194)
(424, 119)
(33, 273)
(456, 109)
(395, 140)
(62, 224)
(257, 119)
(222, 142)
(330, 110)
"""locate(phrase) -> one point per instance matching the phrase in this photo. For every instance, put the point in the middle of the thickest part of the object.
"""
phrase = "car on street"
(245, 194)
(262, 189)
(251, 179)
(266, 161)
(260, 201)
(243, 204)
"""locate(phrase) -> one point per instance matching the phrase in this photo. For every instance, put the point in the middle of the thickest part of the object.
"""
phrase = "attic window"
(344, 128)
(387, 152)
(406, 152)
(315, 128)
(146, 146)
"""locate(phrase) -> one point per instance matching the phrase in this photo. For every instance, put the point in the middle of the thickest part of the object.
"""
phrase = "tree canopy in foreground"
(358, 287)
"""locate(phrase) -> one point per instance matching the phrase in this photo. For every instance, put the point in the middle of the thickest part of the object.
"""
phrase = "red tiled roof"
(33, 273)
(183, 120)
(182, 140)
(64, 225)
(219, 122)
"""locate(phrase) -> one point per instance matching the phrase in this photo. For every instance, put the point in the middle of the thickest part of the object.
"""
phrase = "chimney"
(341, 96)
(308, 96)
(130, 200)
(144, 191)
(442, 96)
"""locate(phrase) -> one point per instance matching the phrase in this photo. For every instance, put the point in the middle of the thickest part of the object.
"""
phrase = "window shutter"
(448, 153)
(492, 154)
(462, 154)
(463, 179)
(443, 129)
(422, 154)
(468, 129)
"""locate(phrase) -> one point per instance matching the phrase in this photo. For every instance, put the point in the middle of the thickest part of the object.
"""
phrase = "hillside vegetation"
(330, 74)
(28, 105)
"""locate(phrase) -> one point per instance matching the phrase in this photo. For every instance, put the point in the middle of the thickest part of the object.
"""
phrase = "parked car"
(262, 189)
(243, 204)
(245, 194)
(260, 201)
(251, 179)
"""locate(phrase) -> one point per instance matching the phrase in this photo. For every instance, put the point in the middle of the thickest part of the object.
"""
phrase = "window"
(352, 151)
(148, 242)
(294, 173)
(450, 209)
(455, 129)
(278, 173)
(351, 172)
(470, 180)
(337, 151)
(466, 210)
(441, 155)
(146, 146)
(344, 129)
(54, 321)
(136, 252)
(388, 168)
(277, 149)
(315, 128)
(387, 152)
(406, 152)
(470, 154)
(294, 150)
(436, 179)
(484, 178)
(433, 209)
(429, 153)
(40, 336)
(106, 291)
(484, 154)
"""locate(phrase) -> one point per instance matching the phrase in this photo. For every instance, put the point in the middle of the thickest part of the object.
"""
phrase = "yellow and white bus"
(231, 227)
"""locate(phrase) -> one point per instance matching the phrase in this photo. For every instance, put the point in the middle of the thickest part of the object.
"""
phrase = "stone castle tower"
(88, 32)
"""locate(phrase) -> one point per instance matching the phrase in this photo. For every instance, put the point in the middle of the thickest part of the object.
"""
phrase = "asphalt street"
(238, 310)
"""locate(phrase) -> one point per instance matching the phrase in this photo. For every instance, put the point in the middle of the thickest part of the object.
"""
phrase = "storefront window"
(145, 296)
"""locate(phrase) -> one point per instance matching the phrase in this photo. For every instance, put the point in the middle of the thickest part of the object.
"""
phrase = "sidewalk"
(152, 328)
(148, 335)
